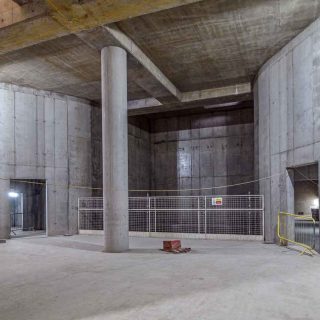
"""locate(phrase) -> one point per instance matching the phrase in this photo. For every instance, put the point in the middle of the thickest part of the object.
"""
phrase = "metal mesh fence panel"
(297, 230)
(183, 215)
(91, 220)
(304, 232)
(90, 214)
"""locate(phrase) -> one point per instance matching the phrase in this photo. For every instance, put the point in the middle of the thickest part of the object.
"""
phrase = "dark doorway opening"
(306, 200)
(306, 194)
(27, 207)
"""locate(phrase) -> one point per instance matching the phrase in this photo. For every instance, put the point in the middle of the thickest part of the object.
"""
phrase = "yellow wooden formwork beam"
(62, 17)
(89, 14)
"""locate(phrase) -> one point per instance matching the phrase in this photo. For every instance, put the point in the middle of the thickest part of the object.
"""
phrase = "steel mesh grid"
(139, 203)
(139, 221)
(236, 215)
(183, 202)
(190, 221)
(90, 203)
(91, 220)
(234, 222)
(297, 230)
(304, 232)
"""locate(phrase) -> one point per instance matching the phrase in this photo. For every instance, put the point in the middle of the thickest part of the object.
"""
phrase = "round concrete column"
(115, 148)
(4, 210)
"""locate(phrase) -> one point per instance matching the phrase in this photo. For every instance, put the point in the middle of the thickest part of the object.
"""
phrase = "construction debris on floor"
(174, 246)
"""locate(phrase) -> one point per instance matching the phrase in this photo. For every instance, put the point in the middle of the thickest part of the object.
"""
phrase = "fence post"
(149, 214)
(78, 215)
(198, 214)
(155, 214)
(262, 206)
(205, 215)
(249, 213)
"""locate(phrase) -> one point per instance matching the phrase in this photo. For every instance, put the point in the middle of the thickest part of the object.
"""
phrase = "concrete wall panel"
(49, 141)
(36, 127)
(60, 133)
(316, 84)
(79, 161)
(4, 209)
(40, 134)
(302, 92)
(290, 99)
(79, 119)
(25, 129)
(287, 108)
(205, 151)
(139, 149)
(274, 85)
(7, 155)
(283, 105)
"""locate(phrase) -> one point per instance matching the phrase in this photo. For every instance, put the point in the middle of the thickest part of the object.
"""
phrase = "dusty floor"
(70, 278)
(20, 233)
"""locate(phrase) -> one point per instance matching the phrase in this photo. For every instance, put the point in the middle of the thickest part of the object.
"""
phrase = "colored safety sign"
(217, 201)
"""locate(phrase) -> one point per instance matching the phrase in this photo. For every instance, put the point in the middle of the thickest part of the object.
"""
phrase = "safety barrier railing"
(297, 230)
(204, 217)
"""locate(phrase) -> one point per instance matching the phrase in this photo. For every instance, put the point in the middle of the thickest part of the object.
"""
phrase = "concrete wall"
(140, 159)
(45, 136)
(203, 151)
(184, 152)
(96, 151)
(287, 107)
(139, 154)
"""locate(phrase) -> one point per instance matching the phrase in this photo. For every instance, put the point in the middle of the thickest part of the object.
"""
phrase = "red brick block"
(171, 245)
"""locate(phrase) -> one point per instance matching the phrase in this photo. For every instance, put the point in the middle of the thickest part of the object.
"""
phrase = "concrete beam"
(194, 99)
(184, 97)
(143, 103)
(140, 56)
(234, 90)
(55, 18)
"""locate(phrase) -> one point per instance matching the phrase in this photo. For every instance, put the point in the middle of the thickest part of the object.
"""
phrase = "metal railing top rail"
(230, 203)
(209, 196)
(208, 202)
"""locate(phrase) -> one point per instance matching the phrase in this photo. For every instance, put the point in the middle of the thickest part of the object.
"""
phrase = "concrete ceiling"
(198, 46)
(65, 65)
(218, 42)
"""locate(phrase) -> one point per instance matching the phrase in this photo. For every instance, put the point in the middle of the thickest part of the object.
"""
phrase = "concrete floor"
(70, 278)
(31, 233)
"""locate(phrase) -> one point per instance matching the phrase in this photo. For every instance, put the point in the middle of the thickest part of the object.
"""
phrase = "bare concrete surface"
(70, 278)
(287, 92)
(201, 45)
